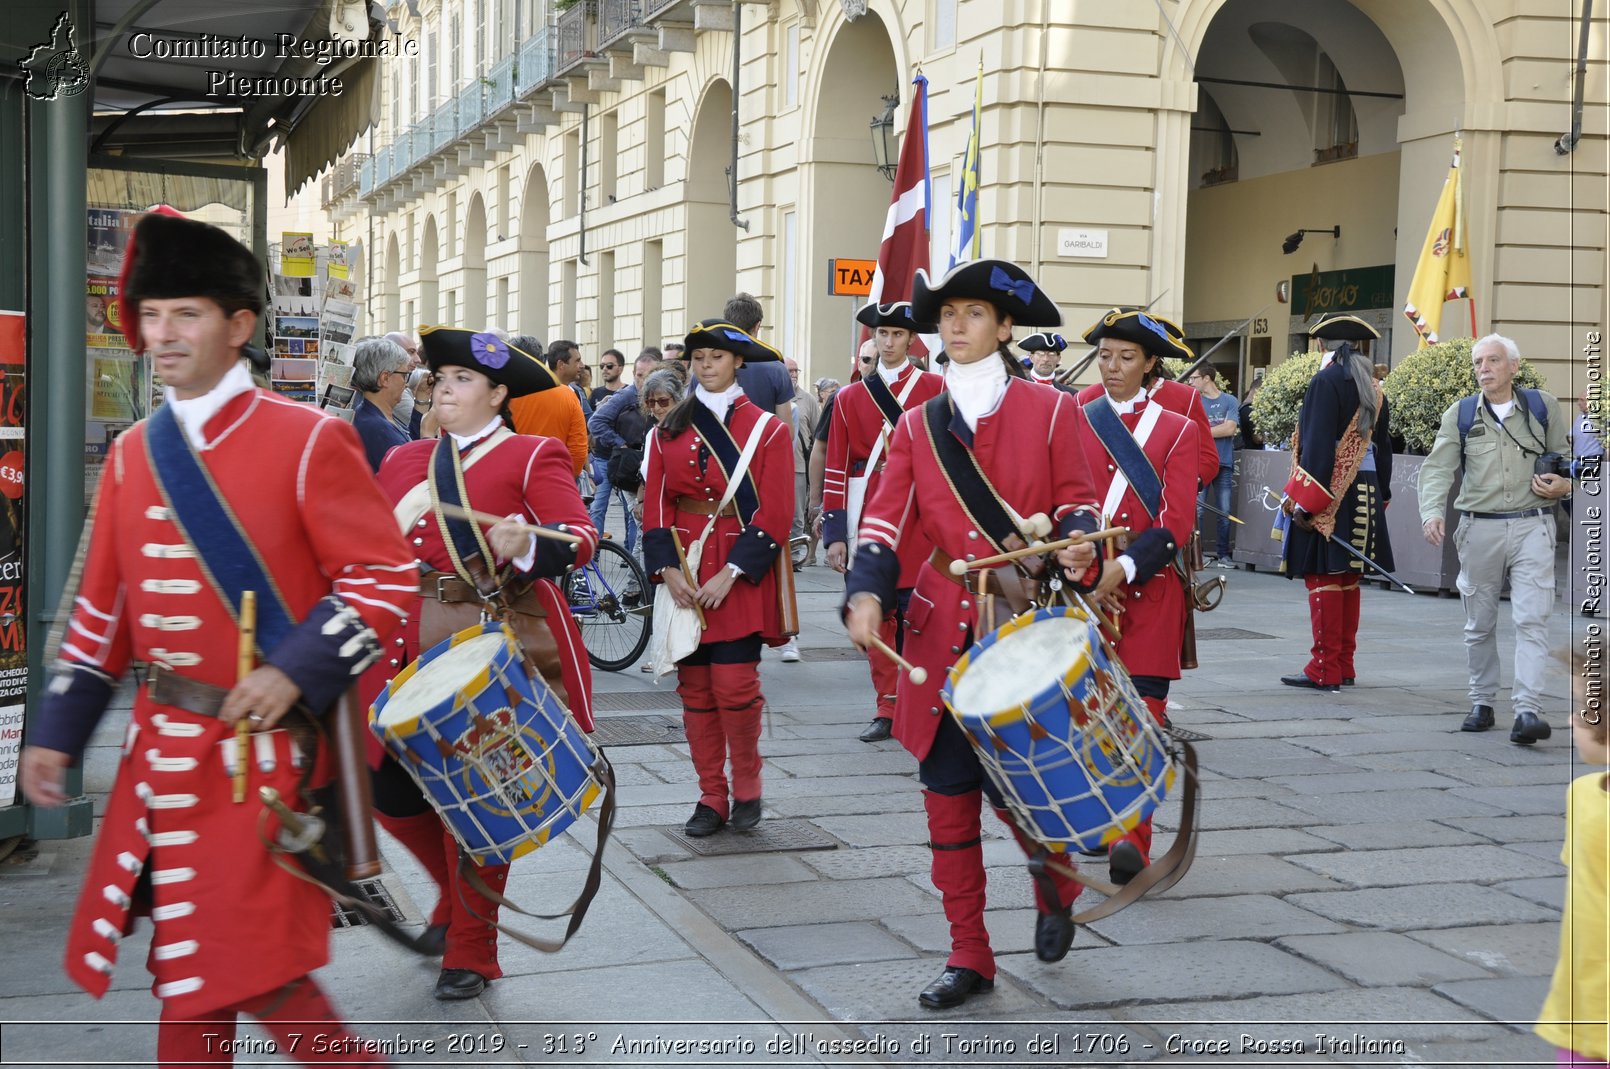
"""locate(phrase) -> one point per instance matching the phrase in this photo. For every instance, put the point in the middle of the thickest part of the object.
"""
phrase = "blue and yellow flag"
(965, 245)
(1443, 273)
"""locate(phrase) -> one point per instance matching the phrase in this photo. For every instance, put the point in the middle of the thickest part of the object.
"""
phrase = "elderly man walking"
(1509, 441)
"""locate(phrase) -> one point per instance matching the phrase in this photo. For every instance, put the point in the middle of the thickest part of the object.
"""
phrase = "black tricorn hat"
(1005, 285)
(1045, 341)
(169, 256)
(1342, 328)
(1150, 332)
(717, 333)
(894, 314)
(505, 364)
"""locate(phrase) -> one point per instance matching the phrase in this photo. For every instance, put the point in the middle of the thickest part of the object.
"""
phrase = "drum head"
(440, 678)
(1021, 666)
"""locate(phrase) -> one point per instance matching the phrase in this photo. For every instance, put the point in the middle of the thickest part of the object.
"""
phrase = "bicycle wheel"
(612, 604)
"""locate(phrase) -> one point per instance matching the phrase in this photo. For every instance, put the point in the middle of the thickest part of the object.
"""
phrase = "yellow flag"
(1443, 273)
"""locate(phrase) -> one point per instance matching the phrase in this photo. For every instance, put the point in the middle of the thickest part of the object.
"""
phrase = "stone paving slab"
(1246, 875)
(1479, 773)
(1524, 801)
(1424, 864)
(1229, 759)
(1399, 742)
(1220, 787)
(741, 869)
(650, 845)
(844, 786)
(850, 900)
(1243, 813)
(867, 863)
(1278, 729)
(1392, 833)
(894, 829)
(1354, 782)
(1176, 922)
(1506, 949)
(1011, 931)
(1129, 976)
(1381, 959)
(1536, 828)
(1273, 841)
(824, 805)
(1402, 909)
(1548, 892)
(867, 762)
(1511, 999)
(805, 946)
(1381, 807)
(1544, 851)
(887, 991)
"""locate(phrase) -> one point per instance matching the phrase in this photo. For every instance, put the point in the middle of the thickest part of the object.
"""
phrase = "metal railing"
(615, 17)
(535, 64)
(497, 88)
(575, 36)
(655, 7)
(343, 178)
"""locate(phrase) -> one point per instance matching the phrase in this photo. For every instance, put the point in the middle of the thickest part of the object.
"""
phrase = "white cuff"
(1128, 565)
(737, 572)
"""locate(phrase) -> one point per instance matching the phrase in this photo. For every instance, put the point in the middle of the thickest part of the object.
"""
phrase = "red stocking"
(885, 674)
(422, 835)
(958, 873)
(738, 698)
(1347, 634)
(706, 743)
(1325, 619)
(472, 943)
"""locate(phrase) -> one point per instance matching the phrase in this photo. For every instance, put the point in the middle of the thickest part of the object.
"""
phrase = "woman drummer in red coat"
(1025, 439)
(528, 480)
(692, 456)
(1144, 459)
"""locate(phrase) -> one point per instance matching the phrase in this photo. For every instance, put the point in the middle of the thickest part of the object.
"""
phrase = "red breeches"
(303, 1024)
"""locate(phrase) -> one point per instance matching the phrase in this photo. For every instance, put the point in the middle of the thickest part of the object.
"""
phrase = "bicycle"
(612, 605)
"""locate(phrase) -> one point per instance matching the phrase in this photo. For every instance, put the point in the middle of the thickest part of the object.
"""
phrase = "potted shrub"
(1423, 385)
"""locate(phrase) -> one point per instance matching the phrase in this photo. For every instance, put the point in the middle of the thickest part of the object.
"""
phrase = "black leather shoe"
(954, 987)
(455, 984)
(433, 940)
(1348, 681)
(877, 731)
(1529, 728)
(1301, 680)
(1124, 862)
(1053, 934)
(704, 821)
(745, 815)
(1480, 718)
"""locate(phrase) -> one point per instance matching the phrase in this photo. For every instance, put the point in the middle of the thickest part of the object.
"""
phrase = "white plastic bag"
(676, 630)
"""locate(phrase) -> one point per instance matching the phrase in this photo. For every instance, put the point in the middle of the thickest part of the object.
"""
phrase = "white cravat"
(1044, 380)
(194, 412)
(718, 403)
(891, 375)
(462, 440)
(1124, 408)
(976, 388)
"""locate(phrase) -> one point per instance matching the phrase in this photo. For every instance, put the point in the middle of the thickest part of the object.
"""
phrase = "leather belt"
(941, 561)
(701, 507)
(167, 687)
(1520, 515)
(449, 589)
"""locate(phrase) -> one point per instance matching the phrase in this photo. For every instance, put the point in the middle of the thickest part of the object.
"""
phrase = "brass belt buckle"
(440, 594)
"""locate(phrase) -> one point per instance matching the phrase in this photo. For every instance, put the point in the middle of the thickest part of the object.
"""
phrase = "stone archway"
(475, 312)
(428, 310)
(710, 259)
(847, 197)
(534, 216)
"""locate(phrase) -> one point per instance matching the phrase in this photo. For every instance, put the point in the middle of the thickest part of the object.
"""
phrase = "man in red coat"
(211, 497)
(1025, 442)
(864, 415)
(1144, 462)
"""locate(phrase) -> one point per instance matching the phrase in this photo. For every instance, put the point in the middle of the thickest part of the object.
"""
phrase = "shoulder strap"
(734, 460)
(1129, 454)
(208, 525)
(1467, 420)
(416, 502)
(1535, 403)
(971, 487)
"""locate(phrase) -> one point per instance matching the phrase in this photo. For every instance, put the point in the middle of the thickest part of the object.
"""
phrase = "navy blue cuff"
(835, 526)
(659, 552)
(1076, 521)
(325, 654)
(554, 558)
(1152, 550)
(876, 571)
(75, 698)
(753, 553)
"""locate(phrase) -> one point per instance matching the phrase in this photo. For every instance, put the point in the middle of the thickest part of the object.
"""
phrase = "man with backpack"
(1511, 443)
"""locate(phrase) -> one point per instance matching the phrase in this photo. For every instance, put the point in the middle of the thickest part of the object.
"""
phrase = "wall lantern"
(885, 155)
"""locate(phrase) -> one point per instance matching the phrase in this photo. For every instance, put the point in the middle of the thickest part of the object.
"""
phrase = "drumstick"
(918, 674)
(962, 567)
(489, 518)
(245, 653)
(682, 559)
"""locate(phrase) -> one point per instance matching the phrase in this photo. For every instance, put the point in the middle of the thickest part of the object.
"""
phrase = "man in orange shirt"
(559, 415)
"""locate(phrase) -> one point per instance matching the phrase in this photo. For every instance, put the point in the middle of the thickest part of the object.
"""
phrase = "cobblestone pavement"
(1370, 883)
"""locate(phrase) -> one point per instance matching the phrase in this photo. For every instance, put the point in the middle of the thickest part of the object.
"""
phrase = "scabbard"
(346, 723)
(787, 604)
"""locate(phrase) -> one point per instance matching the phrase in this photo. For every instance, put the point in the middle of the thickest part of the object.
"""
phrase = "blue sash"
(226, 555)
(1127, 454)
(726, 450)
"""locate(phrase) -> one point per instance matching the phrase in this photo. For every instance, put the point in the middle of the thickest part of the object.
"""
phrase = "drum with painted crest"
(1060, 728)
(492, 747)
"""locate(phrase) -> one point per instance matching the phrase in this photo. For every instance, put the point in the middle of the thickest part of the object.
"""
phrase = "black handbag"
(624, 468)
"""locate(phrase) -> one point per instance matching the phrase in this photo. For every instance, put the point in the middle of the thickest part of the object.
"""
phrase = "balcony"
(575, 37)
(535, 64)
(346, 176)
(616, 17)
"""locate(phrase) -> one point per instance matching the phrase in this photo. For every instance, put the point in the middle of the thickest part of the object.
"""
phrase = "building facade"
(586, 173)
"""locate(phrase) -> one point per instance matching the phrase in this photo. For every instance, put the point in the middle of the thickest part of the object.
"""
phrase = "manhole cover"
(772, 835)
(1186, 734)
(637, 730)
(1228, 634)
(637, 700)
(375, 893)
(832, 653)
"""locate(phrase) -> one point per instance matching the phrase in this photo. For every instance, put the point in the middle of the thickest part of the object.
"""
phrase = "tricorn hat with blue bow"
(483, 351)
(719, 334)
(1005, 285)
(1137, 327)
(894, 314)
(1043, 342)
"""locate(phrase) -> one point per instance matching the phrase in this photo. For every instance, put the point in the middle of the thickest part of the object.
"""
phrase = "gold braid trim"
(1349, 457)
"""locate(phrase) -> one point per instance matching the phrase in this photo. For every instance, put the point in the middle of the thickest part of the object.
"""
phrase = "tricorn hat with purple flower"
(488, 353)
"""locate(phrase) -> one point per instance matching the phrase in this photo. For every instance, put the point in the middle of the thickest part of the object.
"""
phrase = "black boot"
(455, 984)
(877, 731)
(1053, 934)
(1480, 718)
(1529, 728)
(954, 987)
(704, 821)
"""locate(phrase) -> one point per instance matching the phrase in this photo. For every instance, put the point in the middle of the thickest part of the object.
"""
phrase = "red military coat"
(1032, 450)
(1153, 621)
(1180, 398)
(230, 922)
(689, 466)
(857, 424)
(520, 475)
